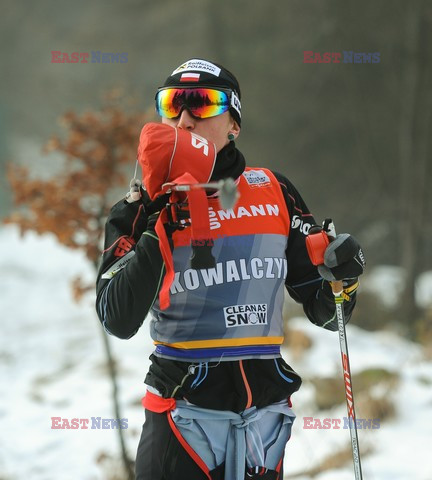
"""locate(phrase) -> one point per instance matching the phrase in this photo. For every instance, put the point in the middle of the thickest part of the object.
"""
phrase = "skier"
(218, 391)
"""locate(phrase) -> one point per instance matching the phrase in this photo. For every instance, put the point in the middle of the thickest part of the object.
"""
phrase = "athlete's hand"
(180, 220)
(343, 259)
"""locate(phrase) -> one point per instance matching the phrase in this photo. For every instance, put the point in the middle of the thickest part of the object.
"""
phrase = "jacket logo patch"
(124, 246)
(118, 265)
(245, 315)
(257, 178)
(298, 222)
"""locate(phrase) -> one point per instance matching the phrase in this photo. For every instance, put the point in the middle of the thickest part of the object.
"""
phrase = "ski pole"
(337, 289)
(228, 193)
(316, 243)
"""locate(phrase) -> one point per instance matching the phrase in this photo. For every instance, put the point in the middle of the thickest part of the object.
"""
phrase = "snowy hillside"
(52, 365)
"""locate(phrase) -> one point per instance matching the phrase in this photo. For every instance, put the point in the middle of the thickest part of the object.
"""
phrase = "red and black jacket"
(125, 297)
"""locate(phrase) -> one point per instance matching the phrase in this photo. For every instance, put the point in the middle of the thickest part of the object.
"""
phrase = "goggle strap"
(235, 103)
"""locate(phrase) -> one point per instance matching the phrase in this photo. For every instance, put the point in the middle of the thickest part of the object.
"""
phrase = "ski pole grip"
(316, 244)
(337, 287)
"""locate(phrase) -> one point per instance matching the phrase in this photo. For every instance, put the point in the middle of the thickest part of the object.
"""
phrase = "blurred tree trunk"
(128, 464)
(413, 162)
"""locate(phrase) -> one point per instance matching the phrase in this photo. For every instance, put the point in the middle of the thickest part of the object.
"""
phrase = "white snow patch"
(390, 279)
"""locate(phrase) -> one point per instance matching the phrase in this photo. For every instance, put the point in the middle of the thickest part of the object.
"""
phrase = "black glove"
(153, 206)
(343, 259)
(151, 222)
(178, 219)
(178, 215)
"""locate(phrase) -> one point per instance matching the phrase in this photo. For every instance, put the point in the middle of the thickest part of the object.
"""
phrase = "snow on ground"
(52, 365)
(401, 445)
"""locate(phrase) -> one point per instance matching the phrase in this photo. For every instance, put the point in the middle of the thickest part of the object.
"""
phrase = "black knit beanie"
(203, 73)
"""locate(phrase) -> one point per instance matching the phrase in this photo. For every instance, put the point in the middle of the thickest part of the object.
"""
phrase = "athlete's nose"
(186, 120)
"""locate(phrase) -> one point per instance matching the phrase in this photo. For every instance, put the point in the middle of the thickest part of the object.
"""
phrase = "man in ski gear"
(218, 391)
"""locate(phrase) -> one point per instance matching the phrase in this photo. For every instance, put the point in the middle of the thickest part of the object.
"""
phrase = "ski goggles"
(201, 102)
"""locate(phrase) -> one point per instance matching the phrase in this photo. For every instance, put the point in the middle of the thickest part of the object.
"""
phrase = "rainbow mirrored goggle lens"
(201, 102)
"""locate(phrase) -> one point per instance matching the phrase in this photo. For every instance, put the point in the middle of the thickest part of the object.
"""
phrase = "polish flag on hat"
(190, 77)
